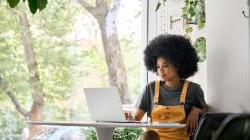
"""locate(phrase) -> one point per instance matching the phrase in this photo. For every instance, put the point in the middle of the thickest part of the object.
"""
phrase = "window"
(73, 47)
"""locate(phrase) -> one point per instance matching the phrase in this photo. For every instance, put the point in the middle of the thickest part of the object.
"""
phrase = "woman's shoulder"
(151, 83)
(194, 87)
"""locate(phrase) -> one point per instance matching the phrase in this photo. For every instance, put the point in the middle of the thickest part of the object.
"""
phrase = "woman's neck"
(173, 84)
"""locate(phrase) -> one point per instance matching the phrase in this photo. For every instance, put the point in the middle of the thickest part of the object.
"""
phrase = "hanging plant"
(159, 3)
(34, 5)
(200, 47)
(193, 12)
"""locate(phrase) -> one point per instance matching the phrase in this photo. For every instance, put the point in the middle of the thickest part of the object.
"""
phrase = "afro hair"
(176, 49)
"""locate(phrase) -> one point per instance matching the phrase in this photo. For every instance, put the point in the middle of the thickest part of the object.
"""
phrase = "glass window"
(49, 57)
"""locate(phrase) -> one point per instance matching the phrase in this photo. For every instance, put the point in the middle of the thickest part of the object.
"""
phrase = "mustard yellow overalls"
(176, 113)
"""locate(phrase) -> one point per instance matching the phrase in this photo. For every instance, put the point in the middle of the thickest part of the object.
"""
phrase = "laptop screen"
(104, 104)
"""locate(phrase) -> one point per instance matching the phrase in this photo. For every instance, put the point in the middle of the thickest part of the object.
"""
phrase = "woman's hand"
(128, 116)
(137, 115)
(192, 120)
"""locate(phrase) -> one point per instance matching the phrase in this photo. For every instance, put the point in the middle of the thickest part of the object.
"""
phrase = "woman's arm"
(199, 106)
(192, 119)
(139, 114)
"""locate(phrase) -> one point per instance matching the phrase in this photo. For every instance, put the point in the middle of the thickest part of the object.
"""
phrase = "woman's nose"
(161, 69)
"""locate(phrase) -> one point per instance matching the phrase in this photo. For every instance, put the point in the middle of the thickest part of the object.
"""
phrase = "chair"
(208, 124)
(234, 127)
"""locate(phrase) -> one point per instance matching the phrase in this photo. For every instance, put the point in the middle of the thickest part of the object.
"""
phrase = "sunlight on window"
(65, 48)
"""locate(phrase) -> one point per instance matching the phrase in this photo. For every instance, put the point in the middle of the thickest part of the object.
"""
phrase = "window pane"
(49, 57)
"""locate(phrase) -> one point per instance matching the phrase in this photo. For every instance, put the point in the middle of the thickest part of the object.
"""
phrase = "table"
(105, 129)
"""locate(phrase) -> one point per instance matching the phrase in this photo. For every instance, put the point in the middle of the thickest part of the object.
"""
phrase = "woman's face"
(166, 70)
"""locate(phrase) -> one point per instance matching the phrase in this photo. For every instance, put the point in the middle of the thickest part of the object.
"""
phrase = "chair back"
(208, 124)
(234, 127)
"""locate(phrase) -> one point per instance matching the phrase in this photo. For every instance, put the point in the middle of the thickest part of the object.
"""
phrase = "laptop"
(105, 105)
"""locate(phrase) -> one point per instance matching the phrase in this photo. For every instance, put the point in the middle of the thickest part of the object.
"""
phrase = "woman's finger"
(191, 126)
(194, 123)
(188, 125)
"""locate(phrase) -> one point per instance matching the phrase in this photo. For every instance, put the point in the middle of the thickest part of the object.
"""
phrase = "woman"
(172, 98)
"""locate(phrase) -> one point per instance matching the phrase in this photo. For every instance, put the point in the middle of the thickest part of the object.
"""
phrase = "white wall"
(228, 55)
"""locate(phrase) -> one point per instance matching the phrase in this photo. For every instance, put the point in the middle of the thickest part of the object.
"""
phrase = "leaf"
(33, 6)
(200, 46)
(13, 3)
(157, 6)
(184, 16)
(201, 25)
(188, 29)
(195, 3)
(191, 11)
(41, 4)
(159, 3)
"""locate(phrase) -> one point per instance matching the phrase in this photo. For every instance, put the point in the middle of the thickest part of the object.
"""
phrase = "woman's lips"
(163, 75)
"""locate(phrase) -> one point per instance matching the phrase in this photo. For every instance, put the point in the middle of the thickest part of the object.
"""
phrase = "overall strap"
(184, 92)
(157, 91)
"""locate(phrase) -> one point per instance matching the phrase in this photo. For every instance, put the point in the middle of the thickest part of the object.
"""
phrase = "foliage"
(13, 69)
(159, 3)
(193, 12)
(127, 133)
(57, 57)
(34, 5)
(9, 125)
(95, 62)
(52, 53)
(200, 46)
(119, 133)
(89, 133)
(132, 53)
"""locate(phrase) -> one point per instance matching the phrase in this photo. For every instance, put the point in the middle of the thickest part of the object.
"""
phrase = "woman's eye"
(165, 65)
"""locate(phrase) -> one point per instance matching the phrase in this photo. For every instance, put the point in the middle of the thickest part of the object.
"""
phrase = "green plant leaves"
(157, 6)
(37, 4)
(33, 4)
(13, 3)
(159, 3)
(191, 11)
(200, 25)
(119, 133)
(200, 47)
(41, 4)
